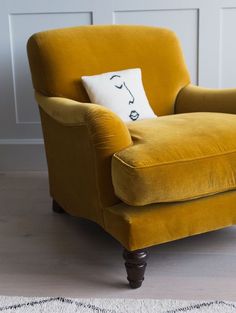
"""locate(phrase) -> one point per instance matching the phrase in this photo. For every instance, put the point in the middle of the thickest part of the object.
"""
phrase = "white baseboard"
(34, 141)
(22, 155)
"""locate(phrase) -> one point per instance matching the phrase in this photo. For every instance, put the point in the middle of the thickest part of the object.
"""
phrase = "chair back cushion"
(58, 59)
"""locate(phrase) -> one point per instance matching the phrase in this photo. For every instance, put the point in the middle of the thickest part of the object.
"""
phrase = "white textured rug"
(67, 305)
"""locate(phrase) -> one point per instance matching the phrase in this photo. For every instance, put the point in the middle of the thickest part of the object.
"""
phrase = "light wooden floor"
(45, 254)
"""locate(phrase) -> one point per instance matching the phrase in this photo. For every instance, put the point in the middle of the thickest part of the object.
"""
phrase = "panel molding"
(173, 18)
(17, 81)
(231, 80)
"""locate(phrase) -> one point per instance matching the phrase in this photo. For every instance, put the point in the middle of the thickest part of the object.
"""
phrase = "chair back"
(58, 59)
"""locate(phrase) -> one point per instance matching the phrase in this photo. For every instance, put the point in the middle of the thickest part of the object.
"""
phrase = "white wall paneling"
(205, 28)
(21, 27)
(228, 47)
(175, 19)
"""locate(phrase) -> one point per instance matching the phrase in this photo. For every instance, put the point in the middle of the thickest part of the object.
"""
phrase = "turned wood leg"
(135, 263)
(57, 208)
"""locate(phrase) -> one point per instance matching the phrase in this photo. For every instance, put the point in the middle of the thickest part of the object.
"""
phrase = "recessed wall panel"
(228, 48)
(22, 26)
(183, 22)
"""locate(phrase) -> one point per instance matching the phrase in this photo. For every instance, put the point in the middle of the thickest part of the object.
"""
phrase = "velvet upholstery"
(198, 99)
(176, 157)
(139, 227)
(58, 59)
(81, 138)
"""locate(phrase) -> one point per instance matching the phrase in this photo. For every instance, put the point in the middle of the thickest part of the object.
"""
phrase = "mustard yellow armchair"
(145, 182)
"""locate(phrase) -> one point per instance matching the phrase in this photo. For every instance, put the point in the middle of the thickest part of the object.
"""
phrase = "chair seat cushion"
(177, 157)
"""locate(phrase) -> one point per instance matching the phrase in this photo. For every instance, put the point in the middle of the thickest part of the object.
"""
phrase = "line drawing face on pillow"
(119, 83)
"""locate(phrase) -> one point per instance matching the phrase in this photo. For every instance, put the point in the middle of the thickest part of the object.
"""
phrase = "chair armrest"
(198, 99)
(106, 129)
(80, 140)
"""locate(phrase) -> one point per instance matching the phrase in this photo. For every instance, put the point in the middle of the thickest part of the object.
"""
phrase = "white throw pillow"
(122, 92)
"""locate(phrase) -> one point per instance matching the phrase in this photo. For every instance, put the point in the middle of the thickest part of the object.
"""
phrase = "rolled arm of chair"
(197, 99)
(108, 132)
(80, 140)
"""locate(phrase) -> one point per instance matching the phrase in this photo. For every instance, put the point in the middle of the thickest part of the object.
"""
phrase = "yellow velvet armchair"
(145, 182)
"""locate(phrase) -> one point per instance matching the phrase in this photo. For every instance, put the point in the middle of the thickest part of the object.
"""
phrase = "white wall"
(206, 29)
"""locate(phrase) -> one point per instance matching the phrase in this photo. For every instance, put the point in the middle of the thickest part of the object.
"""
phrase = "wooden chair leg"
(57, 208)
(135, 263)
